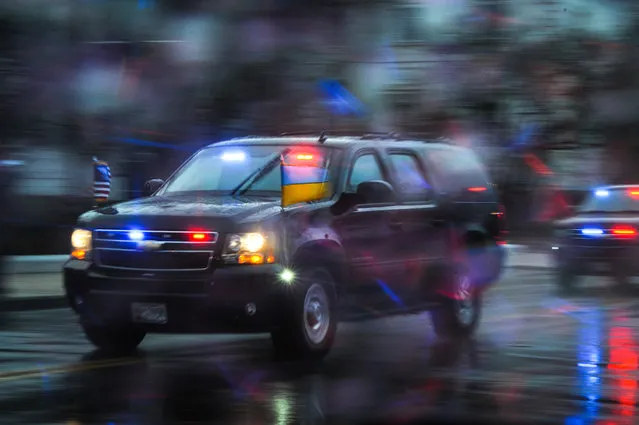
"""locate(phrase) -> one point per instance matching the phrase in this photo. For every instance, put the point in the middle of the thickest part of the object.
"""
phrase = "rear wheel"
(309, 324)
(566, 278)
(118, 340)
(621, 280)
(460, 310)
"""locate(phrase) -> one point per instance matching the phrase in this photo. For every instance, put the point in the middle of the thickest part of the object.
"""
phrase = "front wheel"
(112, 339)
(309, 324)
(460, 310)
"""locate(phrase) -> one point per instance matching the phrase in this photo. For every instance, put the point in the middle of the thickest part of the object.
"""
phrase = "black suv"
(286, 234)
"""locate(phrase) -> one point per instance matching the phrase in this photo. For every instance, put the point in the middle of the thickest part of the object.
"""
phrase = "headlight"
(249, 248)
(81, 241)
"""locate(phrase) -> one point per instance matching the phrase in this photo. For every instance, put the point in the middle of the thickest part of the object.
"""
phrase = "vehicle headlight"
(81, 242)
(249, 248)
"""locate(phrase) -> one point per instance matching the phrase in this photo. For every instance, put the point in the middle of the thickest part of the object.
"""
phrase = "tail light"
(623, 231)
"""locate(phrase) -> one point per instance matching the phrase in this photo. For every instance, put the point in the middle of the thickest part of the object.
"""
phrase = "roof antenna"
(322, 137)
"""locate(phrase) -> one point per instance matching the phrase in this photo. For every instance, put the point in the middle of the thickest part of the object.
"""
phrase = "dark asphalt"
(538, 356)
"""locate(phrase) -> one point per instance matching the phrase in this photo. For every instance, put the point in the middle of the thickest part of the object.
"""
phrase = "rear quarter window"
(408, 173)
(456, 169)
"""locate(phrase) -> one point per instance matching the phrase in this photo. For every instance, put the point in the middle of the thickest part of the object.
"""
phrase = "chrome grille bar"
(115, 251)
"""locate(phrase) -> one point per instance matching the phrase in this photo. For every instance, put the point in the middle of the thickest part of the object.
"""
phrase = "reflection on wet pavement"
(537, 357)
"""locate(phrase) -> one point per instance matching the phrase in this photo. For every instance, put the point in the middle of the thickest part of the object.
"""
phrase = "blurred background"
(546, 91)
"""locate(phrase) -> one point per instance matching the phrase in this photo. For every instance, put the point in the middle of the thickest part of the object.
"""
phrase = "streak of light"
(390, 293)
(37, 373)
(130, 42)
(535, 163)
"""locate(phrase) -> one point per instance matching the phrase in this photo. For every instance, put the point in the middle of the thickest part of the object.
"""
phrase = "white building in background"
(602, 19)
(400, 42)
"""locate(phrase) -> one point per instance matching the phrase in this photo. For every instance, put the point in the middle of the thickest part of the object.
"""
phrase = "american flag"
(101, 180)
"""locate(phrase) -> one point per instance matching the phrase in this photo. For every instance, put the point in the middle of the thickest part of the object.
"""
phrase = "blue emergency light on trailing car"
(592, 231)
(601, 193)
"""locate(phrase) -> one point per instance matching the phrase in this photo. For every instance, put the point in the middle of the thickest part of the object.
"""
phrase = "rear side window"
(410, 178)
(457, 169)
(365, 168)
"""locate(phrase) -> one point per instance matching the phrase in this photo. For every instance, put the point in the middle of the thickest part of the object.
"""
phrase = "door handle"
(437, 221)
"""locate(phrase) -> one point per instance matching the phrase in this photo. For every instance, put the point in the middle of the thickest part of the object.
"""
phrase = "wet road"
(538, 356)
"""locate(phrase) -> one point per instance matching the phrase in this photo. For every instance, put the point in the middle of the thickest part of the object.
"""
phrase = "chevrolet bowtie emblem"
(150, 245)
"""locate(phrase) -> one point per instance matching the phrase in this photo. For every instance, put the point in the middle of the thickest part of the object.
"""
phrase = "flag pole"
(101, 182)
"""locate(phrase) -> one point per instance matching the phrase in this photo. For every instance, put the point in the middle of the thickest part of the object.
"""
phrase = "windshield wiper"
(257, 175)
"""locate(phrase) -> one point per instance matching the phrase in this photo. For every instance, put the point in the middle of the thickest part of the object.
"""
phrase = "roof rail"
(370, 135)
(337, 133)
(380, 135)
(301, 133)
(323, 135)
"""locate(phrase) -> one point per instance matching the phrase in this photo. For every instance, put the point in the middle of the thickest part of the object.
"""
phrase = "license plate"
(149, 313)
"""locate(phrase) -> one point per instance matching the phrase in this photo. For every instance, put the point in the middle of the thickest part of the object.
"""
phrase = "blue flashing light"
(136, 235)
(234, 156)
(342, 101)
(144, 4)
(601, 193)
(590, 231)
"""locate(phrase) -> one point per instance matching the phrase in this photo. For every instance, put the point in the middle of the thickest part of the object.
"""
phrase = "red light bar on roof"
(304, 158)
(477, 189)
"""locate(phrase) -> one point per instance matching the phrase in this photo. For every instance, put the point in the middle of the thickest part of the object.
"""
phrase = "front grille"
(156, 251)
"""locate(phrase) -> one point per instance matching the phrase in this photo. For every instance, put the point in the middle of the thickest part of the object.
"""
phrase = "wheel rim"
(316, 313)
(464, 300)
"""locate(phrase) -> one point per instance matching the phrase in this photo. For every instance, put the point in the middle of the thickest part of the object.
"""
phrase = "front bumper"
(602, 260)
(212, 302)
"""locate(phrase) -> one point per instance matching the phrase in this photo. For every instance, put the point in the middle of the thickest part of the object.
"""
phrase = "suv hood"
(178, 212)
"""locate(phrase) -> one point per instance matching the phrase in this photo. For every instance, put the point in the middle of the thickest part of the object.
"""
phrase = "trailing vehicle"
(600, 238)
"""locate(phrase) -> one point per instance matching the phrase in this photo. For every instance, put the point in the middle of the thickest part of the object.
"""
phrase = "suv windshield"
(611, 200)
(224, 169)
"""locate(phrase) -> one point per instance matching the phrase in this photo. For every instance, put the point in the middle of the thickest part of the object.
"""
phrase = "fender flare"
(327, 253)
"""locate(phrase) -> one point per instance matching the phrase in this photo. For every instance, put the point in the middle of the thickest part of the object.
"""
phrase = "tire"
(621, 281)
(114, 340)
(309, 322)
(459, 312)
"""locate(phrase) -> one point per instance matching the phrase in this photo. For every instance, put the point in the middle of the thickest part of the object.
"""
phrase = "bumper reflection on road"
(623, 367)
(589, 361)
(157, 391)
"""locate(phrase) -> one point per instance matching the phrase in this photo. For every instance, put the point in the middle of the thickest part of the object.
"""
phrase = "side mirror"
(375, 192)
(152, 186)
